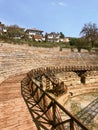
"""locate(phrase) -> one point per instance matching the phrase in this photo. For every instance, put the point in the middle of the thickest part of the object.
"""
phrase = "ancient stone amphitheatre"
(68, 80)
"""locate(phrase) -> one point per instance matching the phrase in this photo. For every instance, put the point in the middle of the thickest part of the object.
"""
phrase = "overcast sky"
(67, 16)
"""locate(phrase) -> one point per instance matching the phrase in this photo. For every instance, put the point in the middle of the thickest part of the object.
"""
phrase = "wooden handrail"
(57, 107)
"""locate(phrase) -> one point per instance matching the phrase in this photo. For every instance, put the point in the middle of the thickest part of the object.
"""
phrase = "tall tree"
(90, 33)
(46, 37)
(61, 35)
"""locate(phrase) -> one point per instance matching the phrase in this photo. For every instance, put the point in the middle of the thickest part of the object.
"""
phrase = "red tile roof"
(37, 36)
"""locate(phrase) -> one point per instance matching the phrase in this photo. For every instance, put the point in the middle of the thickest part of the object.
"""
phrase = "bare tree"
(90, 33)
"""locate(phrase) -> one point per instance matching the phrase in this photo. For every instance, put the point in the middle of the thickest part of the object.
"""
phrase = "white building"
(35, 34)
(2, 28)
(53, 37)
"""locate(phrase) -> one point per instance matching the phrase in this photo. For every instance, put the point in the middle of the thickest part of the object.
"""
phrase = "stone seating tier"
(16, 59)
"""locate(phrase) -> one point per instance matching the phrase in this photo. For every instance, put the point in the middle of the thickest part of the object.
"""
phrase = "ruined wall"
(91, 77)
(71, 79)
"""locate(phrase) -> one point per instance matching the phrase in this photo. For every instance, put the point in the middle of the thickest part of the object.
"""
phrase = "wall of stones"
(17, 59)
(75, 86)
(91, 77)
(69, 78)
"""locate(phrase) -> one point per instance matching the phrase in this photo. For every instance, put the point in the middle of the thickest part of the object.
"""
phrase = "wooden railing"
(46, 112)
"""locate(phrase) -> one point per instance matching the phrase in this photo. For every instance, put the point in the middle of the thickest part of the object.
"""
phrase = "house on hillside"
(55, 37)
(65, 39)
(52, 37)
(34, 34)
(2, 28)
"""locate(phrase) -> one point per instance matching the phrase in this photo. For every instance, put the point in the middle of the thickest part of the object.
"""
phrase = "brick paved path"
(14, 114)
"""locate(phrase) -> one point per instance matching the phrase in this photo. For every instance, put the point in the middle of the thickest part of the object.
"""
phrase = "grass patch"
(37, 44)
(75, 107)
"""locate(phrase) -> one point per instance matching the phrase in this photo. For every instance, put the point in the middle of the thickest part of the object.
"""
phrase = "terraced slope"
(17, 59)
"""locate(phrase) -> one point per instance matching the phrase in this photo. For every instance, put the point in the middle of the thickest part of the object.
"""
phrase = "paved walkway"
(14, 114)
